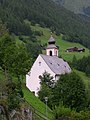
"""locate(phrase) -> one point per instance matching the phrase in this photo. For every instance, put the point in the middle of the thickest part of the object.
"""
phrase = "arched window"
(50, 53)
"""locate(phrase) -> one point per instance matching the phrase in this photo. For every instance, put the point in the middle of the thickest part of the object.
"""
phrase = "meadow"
(63, 45)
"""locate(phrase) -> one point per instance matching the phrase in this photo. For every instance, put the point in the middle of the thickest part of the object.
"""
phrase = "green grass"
(29, 97)
(36, 103)
(63, 45)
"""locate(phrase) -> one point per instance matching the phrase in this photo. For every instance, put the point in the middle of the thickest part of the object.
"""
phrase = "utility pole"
(46, 99)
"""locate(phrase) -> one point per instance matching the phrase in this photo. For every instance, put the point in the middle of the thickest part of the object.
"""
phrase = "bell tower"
(52, 49)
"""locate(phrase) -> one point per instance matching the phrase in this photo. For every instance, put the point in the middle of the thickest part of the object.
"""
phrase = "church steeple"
(51, 40)
(52, 49)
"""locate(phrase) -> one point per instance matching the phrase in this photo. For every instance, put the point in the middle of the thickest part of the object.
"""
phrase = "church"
(50, 63)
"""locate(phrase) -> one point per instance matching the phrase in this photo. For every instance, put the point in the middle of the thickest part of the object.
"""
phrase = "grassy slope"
(68, 55)
(30, 98)
(63, 45)
(36, 103)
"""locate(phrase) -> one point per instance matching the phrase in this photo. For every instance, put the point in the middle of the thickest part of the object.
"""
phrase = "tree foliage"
(47, 83)
(74, 27)
(69, 90)
(3, 29)
(82, 64)
(34, 48)
(13, 59)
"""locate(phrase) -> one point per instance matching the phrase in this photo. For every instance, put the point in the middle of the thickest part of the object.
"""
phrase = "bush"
(62, 113)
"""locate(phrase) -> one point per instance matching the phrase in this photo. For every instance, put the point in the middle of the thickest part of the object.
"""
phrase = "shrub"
(61, 111)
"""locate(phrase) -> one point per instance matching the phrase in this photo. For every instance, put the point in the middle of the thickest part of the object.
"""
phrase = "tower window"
(50, 53)
(56, 53)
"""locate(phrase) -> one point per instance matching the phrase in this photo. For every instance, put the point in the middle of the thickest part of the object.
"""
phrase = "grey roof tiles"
(57, 65)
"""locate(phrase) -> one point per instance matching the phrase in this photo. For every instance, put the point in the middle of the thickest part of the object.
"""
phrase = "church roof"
(57, 65)
(51, 39)
(51, 46)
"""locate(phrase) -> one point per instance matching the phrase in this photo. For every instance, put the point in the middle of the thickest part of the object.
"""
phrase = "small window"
(50, 63)
(29, 73)
(58, 64)
(39, 63)
(50, 53)
(65, 66)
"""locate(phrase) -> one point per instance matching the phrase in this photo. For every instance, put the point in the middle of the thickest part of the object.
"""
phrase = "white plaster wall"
(56, 52)
(32, 80)
(57, 77)
(48, 51)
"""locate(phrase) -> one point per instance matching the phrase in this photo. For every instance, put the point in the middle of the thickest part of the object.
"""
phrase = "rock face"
(76, 6)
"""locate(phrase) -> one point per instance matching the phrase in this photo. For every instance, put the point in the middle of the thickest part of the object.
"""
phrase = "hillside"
(33, 103)
(63, 45)
(13, 67)
(76, 6)
(37, 104)
(47, 14)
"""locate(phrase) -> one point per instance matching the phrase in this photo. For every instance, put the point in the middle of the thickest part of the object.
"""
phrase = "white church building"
(50, 63)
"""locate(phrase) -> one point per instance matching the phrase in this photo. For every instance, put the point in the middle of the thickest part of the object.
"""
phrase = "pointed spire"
(51, 40)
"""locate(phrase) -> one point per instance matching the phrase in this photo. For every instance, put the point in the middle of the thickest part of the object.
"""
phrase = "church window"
(39, 63)
(58, 64)
(29, 73)
(50, 53)
(50, 63)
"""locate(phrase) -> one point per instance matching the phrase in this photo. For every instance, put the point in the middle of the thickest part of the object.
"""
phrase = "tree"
(87, 71)
(82, 64)
(22, 61)
(3, 29)
(71, 91)
(46, 87)
(74, 62)
(7, 51)
(14, 94)
(34, 48)
(14, 58)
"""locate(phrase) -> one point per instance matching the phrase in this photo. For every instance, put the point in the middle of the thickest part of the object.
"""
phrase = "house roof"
(57, 65)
